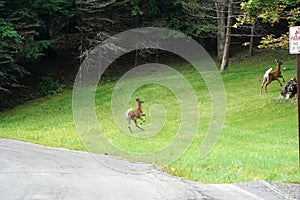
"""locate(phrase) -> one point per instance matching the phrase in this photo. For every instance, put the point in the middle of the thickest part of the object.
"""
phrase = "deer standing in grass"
(270, 76)
(136, 114)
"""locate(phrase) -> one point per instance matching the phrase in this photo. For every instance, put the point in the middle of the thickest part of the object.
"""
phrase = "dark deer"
(136, 114)
(270, 76)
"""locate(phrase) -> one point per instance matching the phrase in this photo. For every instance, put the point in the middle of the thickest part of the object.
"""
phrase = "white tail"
(266, 75)
(126, 114)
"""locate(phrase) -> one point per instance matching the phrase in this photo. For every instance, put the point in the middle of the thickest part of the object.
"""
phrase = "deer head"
(278, 62)
(139, 100)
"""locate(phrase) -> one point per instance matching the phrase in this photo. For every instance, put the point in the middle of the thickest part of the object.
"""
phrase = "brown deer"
(270, 76)
(136, 114)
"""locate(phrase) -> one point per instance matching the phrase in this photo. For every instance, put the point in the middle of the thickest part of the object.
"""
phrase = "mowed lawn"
(259, 139)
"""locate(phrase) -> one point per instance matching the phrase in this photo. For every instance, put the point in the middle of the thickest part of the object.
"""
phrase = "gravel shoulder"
(272, 190)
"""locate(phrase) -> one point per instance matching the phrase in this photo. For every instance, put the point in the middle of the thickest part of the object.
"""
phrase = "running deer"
(270, 76)
(136, 114)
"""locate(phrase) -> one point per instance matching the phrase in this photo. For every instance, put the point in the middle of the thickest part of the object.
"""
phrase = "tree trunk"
(221, 18)
(251, 40)
(228, 37)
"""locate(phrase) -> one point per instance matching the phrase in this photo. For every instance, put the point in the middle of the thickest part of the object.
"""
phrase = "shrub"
(49, 86)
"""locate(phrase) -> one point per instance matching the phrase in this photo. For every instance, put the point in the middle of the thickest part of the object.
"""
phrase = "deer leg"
(279, 82)
(137, 124)
(144, 116)
(143, 120)
(266, 86)
(129, 125)
(262, 85)
(140, 119)
(282, 78)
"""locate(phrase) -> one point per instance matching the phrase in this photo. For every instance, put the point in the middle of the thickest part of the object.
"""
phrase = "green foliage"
(199, 19)
(10, 45)
(187, 16)
(10, 42)
(33, 50)
(49, 86)
(269, 11)
(272, 42)
(136, 11)
(192, 17)
(27, 28)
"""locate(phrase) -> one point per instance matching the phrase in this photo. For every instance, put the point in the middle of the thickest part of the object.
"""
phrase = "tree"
(228, 37)
(219, 15)
(221, 18)
(27, 28)
(185, 16)
(273, 12)
(10, 45)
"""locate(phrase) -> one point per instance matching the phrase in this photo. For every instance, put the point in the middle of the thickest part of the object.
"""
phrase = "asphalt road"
(29, 171)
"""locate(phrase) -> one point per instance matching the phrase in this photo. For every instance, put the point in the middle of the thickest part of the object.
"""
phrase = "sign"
(294, 36)
(294, 40)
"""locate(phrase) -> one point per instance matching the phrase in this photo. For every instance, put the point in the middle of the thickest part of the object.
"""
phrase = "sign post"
(298, 92)
(294, 44)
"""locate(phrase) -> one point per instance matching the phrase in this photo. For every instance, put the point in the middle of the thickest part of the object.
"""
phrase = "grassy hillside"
(258, 141)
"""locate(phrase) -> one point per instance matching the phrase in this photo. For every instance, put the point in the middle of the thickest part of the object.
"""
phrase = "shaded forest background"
(42, 43)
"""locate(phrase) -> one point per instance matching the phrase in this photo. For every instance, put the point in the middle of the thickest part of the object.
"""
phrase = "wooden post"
(298, 88)
(294, 47)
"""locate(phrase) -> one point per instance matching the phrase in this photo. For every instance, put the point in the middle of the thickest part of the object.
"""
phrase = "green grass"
(259, 139)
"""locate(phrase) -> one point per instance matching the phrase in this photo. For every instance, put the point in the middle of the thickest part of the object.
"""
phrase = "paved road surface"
(29, 171)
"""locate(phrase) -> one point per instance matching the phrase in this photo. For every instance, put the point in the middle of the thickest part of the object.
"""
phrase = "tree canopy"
(272, 12)
(27, 28)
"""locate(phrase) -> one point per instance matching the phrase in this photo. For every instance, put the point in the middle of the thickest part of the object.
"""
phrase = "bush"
(49, 86)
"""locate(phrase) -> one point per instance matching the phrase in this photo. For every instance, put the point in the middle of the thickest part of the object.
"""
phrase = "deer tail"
(266, 75)
(127, 113)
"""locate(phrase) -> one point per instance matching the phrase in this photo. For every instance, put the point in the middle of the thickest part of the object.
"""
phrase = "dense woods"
(42, 42)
